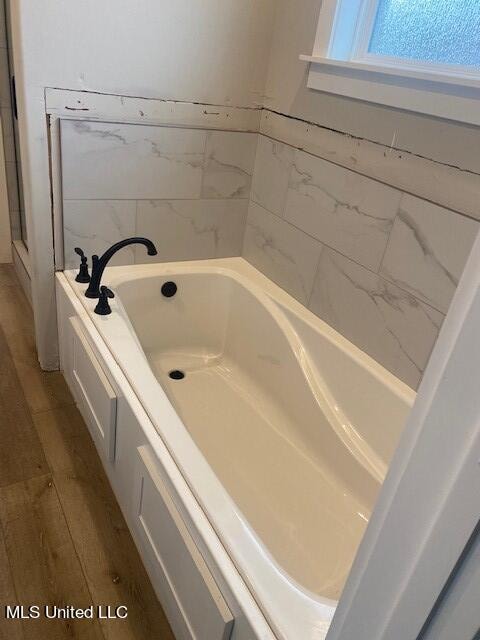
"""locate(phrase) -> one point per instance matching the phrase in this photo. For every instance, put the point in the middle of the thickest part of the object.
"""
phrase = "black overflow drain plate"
(176, 374)
(169, 289)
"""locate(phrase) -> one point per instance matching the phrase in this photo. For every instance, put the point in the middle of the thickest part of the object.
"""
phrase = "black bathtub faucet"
(99, 264)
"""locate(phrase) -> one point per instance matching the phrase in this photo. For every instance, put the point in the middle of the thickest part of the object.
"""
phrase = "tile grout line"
(204, 166)
(214, 199)
(315, 277)
(289, 180)
(250, 199)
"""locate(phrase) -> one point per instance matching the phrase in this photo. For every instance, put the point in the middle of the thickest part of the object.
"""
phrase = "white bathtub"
(281, 427)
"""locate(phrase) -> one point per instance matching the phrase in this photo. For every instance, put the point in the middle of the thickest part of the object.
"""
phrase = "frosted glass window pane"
(446, 31)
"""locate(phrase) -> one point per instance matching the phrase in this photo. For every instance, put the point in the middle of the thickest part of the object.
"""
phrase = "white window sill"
(455, 97)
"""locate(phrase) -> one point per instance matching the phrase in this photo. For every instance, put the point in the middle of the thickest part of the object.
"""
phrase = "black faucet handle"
(103, 308)
(105, 291)
(82, 275)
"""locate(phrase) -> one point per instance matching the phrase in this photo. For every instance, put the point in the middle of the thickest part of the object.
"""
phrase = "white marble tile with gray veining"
(389, 324)
(191, 229)
(129, 161)
(428, 249)
(273, 163)
(346, 211)
(95, 225)
(283, 253)
(228, 168)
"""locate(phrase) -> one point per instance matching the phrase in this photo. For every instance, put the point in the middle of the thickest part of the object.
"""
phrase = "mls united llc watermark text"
(53, 612)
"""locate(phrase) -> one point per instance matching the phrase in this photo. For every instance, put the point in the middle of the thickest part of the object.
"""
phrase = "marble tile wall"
(186, 189)
(378, 265)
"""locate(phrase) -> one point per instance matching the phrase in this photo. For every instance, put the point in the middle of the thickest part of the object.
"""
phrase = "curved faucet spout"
(99, 263)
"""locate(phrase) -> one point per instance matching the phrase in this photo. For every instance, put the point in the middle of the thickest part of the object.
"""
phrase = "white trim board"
(56, 184)
(450, 187)
(83, 105)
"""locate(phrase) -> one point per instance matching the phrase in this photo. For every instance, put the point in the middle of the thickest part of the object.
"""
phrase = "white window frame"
(341, 64)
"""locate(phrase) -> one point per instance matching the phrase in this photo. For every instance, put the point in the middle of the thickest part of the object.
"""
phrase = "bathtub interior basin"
(297, 424)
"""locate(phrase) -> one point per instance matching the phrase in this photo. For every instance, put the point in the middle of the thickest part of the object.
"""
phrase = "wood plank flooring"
(63, 539)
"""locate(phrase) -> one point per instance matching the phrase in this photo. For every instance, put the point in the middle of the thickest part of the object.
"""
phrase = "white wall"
(211, 51)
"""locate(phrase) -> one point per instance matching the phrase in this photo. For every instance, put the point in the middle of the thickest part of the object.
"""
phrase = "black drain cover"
(169, 289)
(176, 374)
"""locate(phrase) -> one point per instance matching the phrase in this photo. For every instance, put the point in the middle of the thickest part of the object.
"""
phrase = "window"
(422, 55)
(439, 31)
